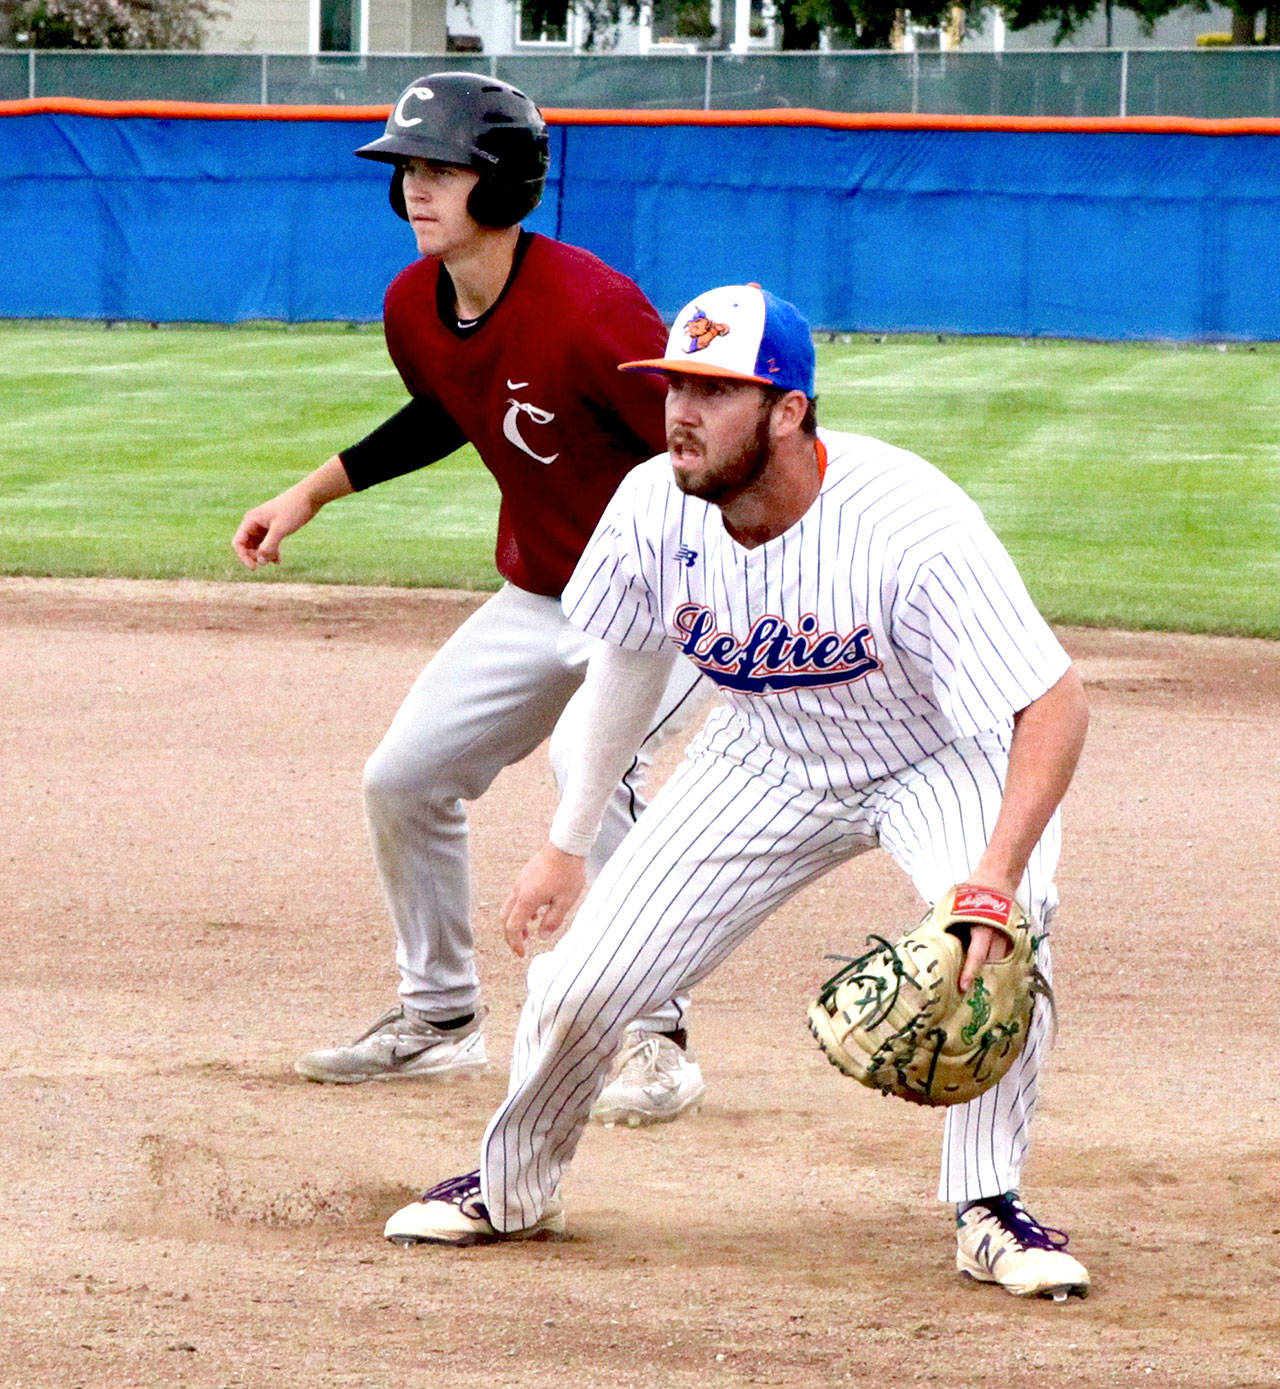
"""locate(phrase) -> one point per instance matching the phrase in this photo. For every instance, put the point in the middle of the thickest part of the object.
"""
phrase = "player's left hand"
(543, 896)
(897, 1020)
(985, 942)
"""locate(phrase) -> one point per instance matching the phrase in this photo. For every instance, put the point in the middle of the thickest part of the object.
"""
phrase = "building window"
(339, 26)
(763, 22)
(543, 21)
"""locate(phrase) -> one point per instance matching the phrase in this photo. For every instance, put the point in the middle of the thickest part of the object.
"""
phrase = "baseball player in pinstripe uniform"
(887, 683)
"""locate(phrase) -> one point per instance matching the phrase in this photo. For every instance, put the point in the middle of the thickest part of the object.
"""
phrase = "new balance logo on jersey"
(775, 656)
(511, 422)
(684, 555)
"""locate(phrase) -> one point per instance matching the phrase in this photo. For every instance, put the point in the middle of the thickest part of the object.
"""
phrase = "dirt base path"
(189, 904)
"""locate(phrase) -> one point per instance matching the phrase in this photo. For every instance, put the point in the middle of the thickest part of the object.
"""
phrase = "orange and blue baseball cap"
(739, 333)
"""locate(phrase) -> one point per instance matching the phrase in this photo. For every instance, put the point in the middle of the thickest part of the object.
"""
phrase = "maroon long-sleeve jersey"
(534, 386)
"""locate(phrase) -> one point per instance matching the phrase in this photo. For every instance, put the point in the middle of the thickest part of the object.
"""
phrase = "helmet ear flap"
(498, 203)
(489, 205)
(396, 192)
(511, 187)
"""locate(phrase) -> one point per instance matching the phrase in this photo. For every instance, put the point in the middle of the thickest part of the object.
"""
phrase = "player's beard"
(738, 472)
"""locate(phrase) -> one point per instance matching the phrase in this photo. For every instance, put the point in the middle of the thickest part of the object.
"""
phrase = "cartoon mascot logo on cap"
(703, 331)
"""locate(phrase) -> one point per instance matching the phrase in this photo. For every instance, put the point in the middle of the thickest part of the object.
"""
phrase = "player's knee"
(571, 1007)
(382, 782)
(581, 1030)
(391, 781)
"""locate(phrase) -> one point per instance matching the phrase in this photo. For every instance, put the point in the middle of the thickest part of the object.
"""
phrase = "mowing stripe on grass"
(1136, 486)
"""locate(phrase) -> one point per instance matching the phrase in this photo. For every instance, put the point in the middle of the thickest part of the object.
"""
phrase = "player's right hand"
(543, 896)
(257, 542)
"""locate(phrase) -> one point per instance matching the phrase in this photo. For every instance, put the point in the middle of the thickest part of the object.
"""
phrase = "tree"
(864, 23)
(1069, 15)
(1244, 22)
(172, 24)
(871, 23)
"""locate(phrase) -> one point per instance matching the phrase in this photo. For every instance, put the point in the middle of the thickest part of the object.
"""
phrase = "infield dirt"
(189, 904)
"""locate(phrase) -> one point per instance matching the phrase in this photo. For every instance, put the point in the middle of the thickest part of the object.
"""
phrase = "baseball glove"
(895, 1018)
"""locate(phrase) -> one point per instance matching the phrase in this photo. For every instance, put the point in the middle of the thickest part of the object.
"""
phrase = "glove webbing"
(850, 974)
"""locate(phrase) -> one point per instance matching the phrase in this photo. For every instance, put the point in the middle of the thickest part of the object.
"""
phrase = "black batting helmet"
(479, 123)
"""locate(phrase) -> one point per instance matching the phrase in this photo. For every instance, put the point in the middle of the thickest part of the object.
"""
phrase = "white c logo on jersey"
(511, 422)
(422, 94)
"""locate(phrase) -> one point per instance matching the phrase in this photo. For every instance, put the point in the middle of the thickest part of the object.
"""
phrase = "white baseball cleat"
(999, 1241)
(401, 1045)
(655, 1081)
(453, 1213)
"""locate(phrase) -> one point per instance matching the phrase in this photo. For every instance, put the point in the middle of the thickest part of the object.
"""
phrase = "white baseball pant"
(722, 846)
(502, 683)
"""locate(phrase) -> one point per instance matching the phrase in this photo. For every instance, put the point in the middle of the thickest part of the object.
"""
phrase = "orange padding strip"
(903, 120)
(188, 110)
(782, 116)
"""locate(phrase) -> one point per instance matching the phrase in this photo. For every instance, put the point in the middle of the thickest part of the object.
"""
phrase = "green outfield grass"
(1136, 486)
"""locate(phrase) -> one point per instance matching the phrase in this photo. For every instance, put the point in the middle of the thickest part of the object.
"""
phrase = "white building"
(485, 26)
(507, 26)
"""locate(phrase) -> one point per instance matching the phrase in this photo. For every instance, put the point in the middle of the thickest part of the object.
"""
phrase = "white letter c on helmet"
(423, 94)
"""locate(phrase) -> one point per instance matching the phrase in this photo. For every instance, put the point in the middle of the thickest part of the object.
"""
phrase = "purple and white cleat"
(454, 1213)
(999, 1241)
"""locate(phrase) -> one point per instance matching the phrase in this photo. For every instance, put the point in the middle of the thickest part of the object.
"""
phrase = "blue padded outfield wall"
(1113, 233)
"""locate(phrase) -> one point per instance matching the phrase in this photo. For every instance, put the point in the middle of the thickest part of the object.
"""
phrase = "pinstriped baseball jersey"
(884, 624)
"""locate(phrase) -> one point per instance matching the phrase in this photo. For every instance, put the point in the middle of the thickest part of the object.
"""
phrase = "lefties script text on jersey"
(775, 656)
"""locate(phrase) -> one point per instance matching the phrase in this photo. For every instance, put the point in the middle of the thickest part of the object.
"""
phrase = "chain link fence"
(1214, 84)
